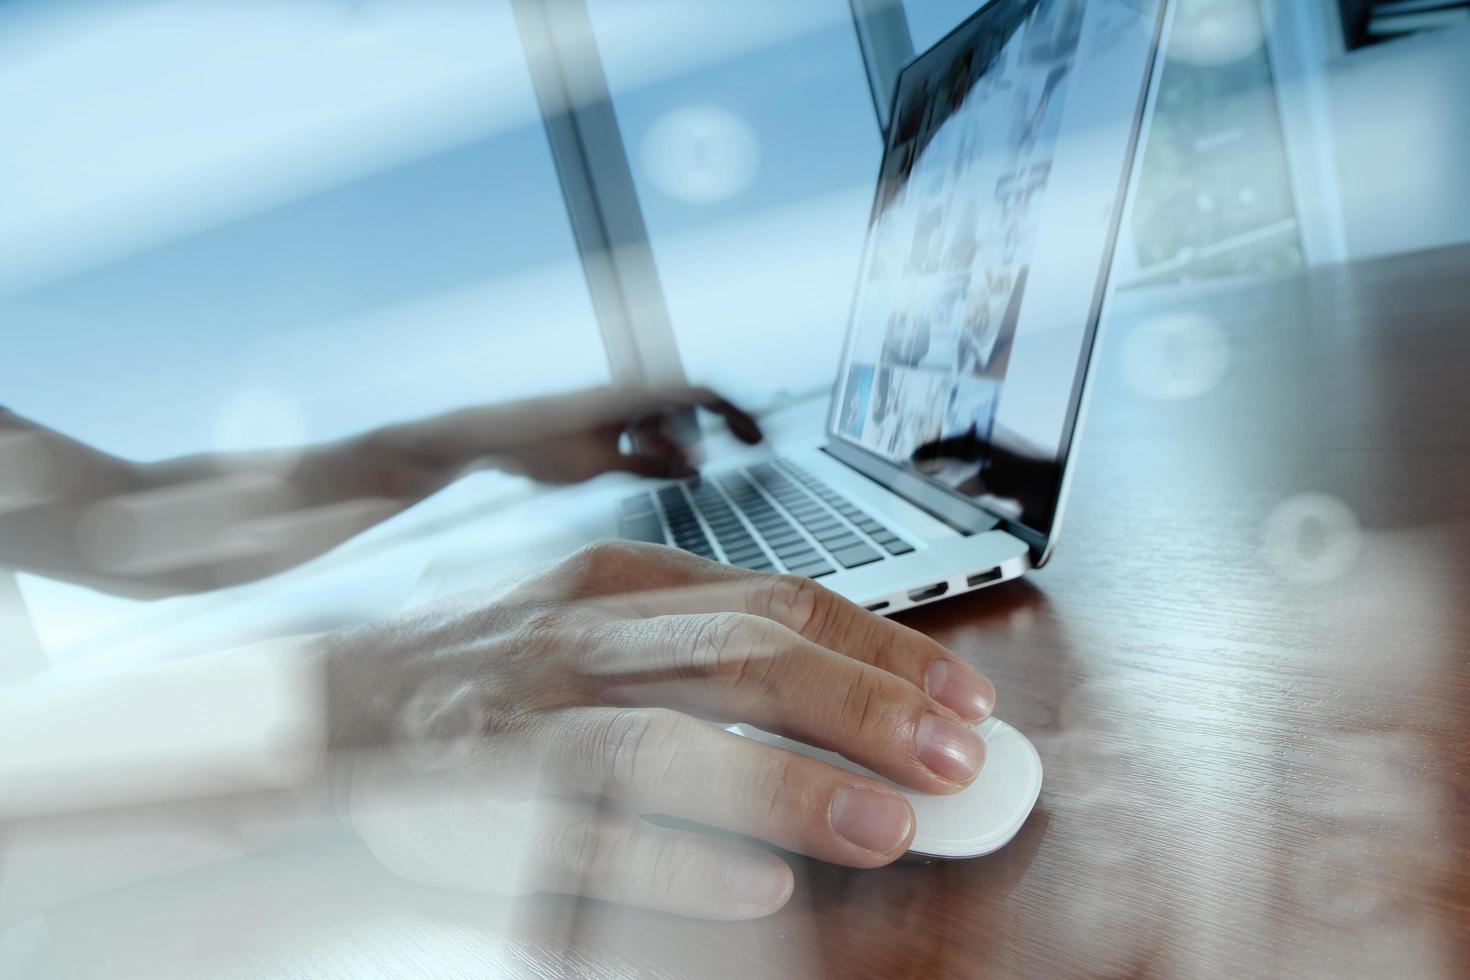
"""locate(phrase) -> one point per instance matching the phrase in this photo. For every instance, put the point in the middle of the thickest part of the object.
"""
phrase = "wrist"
(230, 724)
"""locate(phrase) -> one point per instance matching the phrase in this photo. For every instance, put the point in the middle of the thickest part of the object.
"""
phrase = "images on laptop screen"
(988, 245)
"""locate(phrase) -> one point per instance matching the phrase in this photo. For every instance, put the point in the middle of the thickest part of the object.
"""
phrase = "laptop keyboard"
(771, 517)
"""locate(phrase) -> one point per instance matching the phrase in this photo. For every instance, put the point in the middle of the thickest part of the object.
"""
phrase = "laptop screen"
(988, 248)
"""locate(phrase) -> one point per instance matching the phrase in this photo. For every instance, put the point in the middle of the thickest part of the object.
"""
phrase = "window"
(236, 225)
(240, 224)
(1214, 197)
(754, 148)
(930, 20)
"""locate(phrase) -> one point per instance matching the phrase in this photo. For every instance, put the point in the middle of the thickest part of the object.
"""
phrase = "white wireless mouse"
(980, 818)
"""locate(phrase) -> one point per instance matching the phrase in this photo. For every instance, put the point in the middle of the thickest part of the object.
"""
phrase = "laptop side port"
(929, 592)
(878, 606)
(980, 578)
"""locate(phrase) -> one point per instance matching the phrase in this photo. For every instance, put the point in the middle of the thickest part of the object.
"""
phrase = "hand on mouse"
(508, 747)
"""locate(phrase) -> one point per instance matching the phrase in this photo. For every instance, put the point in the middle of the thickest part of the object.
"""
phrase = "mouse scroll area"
(979, 819)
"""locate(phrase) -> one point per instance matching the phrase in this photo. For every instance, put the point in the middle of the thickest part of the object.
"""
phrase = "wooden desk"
(1248, 772)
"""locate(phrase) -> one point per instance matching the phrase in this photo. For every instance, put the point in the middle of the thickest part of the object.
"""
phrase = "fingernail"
(951, 751)
(870, 819)
(753, 881)
(960, 688)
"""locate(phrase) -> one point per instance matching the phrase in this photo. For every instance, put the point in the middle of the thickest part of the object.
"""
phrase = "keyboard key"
(856, 555)
(756, 565)
(643, 529)
(641, 504)
(754, 515)
(898, 548)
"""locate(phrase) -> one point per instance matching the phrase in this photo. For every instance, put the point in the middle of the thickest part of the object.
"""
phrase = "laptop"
(955, 414)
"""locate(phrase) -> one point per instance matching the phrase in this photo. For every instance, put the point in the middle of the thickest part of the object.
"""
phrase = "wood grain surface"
(1245, 670)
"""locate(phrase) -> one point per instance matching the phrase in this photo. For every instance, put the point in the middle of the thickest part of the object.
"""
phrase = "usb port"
(929, 592)
(877, 606)
(980, 578)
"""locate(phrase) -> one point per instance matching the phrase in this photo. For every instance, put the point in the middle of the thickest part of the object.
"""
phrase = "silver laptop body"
(943, 461)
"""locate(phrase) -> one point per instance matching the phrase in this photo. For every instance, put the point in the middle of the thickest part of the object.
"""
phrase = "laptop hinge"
(961, 515)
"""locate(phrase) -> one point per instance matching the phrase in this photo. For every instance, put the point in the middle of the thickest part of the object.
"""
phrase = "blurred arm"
(71, 512)
(111, 780)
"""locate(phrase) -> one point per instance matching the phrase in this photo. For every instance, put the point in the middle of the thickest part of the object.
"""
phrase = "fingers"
(660, 454)
(612, 568)
(891, 700)
(747, 668)
(650, 581)
(620, 858)
(635, 402)
(653, 467)
(741, 423)
(830, 621)
(659, 761)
